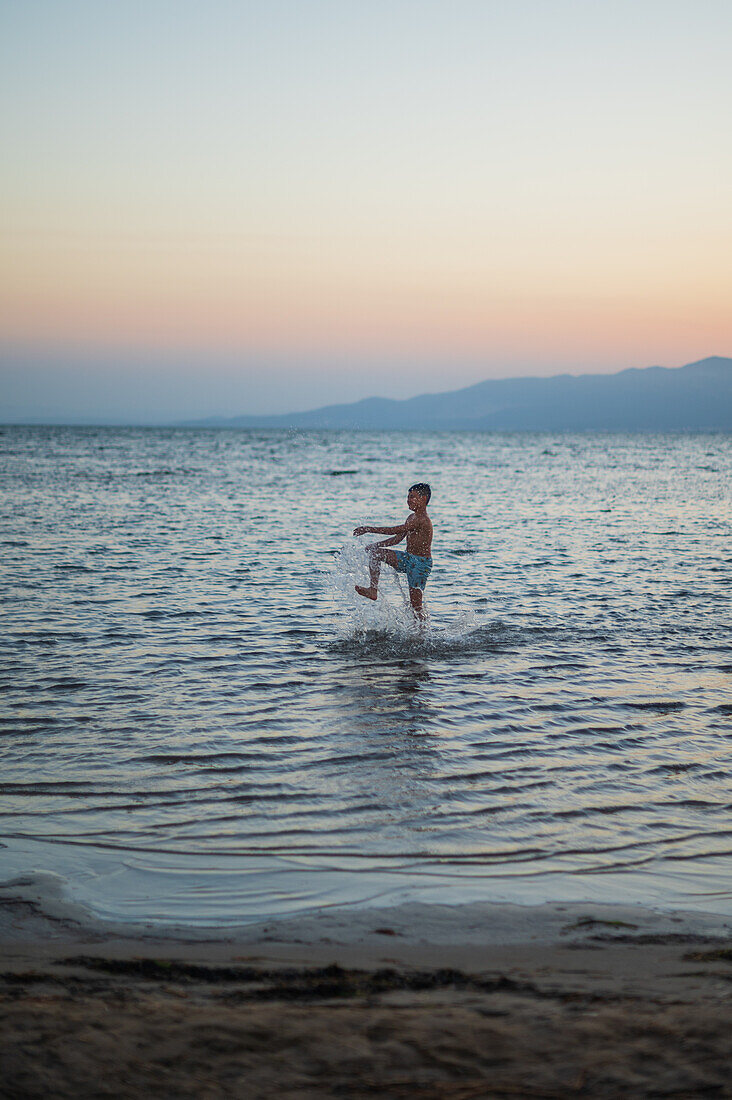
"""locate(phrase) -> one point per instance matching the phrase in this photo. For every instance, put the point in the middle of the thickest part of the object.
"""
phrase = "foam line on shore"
(35, 905)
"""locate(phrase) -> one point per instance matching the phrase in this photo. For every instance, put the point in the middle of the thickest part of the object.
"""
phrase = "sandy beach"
(417, 1001)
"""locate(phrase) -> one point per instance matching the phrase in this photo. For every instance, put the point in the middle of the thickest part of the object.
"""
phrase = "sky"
(248, 207)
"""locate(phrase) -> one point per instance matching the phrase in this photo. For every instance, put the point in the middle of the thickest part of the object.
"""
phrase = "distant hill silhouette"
(695, 397)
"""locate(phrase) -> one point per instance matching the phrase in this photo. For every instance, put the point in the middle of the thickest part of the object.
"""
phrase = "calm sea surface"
(201, 721)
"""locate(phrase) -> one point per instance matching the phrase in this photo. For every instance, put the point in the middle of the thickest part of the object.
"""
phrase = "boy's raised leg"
(376, 556)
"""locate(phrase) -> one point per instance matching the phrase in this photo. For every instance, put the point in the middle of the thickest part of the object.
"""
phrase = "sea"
(202, 723)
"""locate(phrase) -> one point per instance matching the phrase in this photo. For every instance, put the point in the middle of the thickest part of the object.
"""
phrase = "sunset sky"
(249, 207)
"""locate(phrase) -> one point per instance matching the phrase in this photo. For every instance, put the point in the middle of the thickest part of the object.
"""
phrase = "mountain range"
(697, 396)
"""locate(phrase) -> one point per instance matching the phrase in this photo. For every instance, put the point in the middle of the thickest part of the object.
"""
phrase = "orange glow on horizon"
(535, 292)
(160, 305)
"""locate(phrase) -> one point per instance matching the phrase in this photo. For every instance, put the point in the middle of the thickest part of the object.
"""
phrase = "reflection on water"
(386, 698)
(388, 721)
(189, 677)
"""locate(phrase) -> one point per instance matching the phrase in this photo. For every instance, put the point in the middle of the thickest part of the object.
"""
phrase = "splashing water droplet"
(391, 613)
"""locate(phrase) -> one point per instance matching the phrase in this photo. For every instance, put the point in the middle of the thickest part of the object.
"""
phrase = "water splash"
(387, 627)
(390, 614)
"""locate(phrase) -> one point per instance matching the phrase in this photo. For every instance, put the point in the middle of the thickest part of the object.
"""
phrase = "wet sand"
(418, 1001)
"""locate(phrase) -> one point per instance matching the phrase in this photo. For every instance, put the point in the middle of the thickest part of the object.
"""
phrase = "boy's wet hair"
(422, 488)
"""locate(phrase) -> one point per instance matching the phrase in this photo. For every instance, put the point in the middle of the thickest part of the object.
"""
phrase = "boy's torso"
(419, 535)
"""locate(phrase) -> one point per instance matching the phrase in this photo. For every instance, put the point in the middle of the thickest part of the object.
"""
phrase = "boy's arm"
(401, 530)
(398, 537)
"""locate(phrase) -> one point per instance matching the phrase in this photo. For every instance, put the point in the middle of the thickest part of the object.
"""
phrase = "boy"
(417, 562)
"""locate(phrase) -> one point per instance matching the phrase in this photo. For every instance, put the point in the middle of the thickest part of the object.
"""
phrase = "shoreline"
(222, 891)
(417, 1000)
(37, 905)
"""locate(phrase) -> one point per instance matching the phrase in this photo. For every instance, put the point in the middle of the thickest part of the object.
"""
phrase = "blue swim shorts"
(417, 569)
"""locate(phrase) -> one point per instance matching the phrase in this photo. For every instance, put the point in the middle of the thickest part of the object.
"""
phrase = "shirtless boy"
(417, 562)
